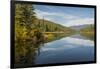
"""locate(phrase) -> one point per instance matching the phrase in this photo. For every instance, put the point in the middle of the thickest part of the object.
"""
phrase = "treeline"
(88, 28)
(27, 24)
(49, 26)
(88, 31)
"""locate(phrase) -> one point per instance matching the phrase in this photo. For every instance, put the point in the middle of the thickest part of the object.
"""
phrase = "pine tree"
(24, 18)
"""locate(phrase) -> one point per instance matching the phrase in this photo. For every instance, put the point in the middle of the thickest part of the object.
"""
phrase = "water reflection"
(25, 53)
(68, 49)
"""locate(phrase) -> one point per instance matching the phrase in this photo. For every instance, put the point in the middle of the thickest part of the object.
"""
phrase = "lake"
(73, 48)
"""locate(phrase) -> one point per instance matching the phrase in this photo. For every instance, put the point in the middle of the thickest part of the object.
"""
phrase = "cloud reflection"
(67, 43)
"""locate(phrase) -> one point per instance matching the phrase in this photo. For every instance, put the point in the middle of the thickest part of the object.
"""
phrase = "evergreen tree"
(24, 18)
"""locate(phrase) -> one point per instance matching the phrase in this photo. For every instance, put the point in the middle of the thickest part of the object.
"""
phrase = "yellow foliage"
(48, 36)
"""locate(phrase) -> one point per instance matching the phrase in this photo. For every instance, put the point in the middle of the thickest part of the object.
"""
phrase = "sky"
(64, 15)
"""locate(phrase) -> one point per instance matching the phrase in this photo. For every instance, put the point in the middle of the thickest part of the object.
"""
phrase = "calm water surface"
(75, 48)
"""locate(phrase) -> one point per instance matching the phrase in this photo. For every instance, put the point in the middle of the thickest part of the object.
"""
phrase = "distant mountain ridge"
(79, 27)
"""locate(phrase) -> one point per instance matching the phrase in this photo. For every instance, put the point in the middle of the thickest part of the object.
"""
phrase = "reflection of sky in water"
(66, 50)
(67, 43)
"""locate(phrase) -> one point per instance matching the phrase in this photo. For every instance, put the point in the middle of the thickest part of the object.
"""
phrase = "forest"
(88, 31)
(28, 26)
(31, 31)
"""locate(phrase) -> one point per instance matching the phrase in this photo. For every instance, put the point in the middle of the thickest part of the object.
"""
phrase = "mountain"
(89, 28)
(49, 26)
(88, 32)
(79, 27)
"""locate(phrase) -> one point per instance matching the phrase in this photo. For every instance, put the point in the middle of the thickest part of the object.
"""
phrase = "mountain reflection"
(26, 53)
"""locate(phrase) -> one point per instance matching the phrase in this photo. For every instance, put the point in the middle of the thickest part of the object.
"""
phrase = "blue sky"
(67, 16)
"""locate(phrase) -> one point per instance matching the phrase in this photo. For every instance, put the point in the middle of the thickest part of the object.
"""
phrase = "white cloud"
(80, 21)
(41, 14)
(68, 19)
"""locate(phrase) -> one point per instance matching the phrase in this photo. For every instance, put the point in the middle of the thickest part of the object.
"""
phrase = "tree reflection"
(25, 53)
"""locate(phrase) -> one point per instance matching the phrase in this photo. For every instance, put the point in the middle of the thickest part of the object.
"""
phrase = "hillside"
(88, 31)
(48, 26)
(80, 27)
(88, 28)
